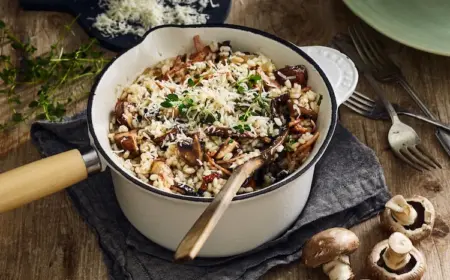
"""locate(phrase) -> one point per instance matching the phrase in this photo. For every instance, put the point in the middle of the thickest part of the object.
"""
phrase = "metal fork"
(402, 138)
(384, 70)
(374, 109)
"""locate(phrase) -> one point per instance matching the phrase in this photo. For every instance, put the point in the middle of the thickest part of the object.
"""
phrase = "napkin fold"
(348, 188)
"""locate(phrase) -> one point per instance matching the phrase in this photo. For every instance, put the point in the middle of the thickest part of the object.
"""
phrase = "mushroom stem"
(339, 268)
(397, 254)
(402, 211)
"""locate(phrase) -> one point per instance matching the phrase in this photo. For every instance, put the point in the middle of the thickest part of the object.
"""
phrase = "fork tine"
(363, 96)
(407, 152)
(376, 56)
(413, 160)
(359, 105)
(377, 49)
(357, 110)
(424, 152)
(362, 100)
(365, 46)
(402, 157)
(359, 45)
(423, 157)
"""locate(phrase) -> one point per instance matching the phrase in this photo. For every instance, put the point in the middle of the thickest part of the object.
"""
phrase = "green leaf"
(231, 141)
(247, 127)
(241, 89)
(189, 101)
(172, 97)
(17, 46)
(33, 104)
(243, 118)
(320, 100)
(239, 128)
(41, 116)
(166, 104)
(2, 24)
(14, 99)
(17, 117)
(254, 78)
(191, 82)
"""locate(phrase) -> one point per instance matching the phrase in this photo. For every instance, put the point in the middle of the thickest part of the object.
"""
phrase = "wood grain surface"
(47, 239)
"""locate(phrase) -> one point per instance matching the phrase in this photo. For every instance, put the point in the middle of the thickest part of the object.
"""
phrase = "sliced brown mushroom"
(331, 248)
(276, 107)
(170, 133)
(160, 168)
(184, 189)
(227, 147)
(191, 152)
(267, 80)
(308, 112)
(414, 217)
(121, 114)
(295, 74)
(396, 259)
(127, 141)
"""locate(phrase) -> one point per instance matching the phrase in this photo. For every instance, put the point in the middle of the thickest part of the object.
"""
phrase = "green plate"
(421, 24)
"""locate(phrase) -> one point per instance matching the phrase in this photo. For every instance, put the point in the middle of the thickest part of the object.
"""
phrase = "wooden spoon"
(198, 234)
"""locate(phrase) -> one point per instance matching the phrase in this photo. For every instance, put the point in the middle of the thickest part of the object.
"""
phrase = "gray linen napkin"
(348, 188)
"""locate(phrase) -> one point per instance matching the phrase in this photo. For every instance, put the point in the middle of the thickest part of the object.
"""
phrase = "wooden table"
(47, 239)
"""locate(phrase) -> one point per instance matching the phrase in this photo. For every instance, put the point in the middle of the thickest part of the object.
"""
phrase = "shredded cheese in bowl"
(187, 122)
(138, 16)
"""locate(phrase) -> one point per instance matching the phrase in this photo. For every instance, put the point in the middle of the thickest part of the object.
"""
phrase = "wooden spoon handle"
(41, 178)
(198, 234)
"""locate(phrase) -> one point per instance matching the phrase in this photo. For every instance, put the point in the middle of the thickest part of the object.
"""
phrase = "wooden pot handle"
(41, 178)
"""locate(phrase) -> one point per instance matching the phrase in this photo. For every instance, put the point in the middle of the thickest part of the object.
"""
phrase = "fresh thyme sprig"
(48, 72)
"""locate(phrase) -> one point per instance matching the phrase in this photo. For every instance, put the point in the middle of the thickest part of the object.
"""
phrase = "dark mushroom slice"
(277, 107)
(127, 141)
(191, 152)
(308, 112)
(170, 133)
(121, 114)
(184, 190)
(295, 74)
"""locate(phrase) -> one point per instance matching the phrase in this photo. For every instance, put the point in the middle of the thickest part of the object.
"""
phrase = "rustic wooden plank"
(47, 239)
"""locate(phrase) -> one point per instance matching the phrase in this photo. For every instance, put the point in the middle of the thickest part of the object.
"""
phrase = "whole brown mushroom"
(331, 248)
(396, 259)
(414, 217)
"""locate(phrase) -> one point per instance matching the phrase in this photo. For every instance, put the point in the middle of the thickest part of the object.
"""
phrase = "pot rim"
(266, 190)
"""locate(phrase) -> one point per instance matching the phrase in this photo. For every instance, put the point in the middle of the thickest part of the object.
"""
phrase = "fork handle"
(402, 81)
(428, 120)
(442, 135)
(389, 108)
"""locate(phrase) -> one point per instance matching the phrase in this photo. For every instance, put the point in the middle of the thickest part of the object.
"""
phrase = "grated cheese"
(138, 16)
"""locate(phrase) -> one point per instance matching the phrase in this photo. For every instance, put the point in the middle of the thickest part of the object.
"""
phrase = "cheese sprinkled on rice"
(187, 122)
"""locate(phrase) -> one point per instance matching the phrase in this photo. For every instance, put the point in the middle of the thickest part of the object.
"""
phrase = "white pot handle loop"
(339, 69)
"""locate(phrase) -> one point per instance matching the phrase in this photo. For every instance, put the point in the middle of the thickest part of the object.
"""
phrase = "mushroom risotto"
(187, 122)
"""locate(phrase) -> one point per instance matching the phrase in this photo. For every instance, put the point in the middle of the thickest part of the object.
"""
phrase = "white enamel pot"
(253, 218)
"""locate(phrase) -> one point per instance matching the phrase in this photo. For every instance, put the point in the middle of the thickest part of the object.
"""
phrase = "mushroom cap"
(377, 272)
(325, 246)
(415, 235)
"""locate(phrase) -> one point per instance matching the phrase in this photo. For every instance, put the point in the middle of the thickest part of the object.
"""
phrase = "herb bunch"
(49, 73)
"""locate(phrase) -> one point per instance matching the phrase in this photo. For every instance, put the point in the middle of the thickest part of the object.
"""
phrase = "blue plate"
(85, 10)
